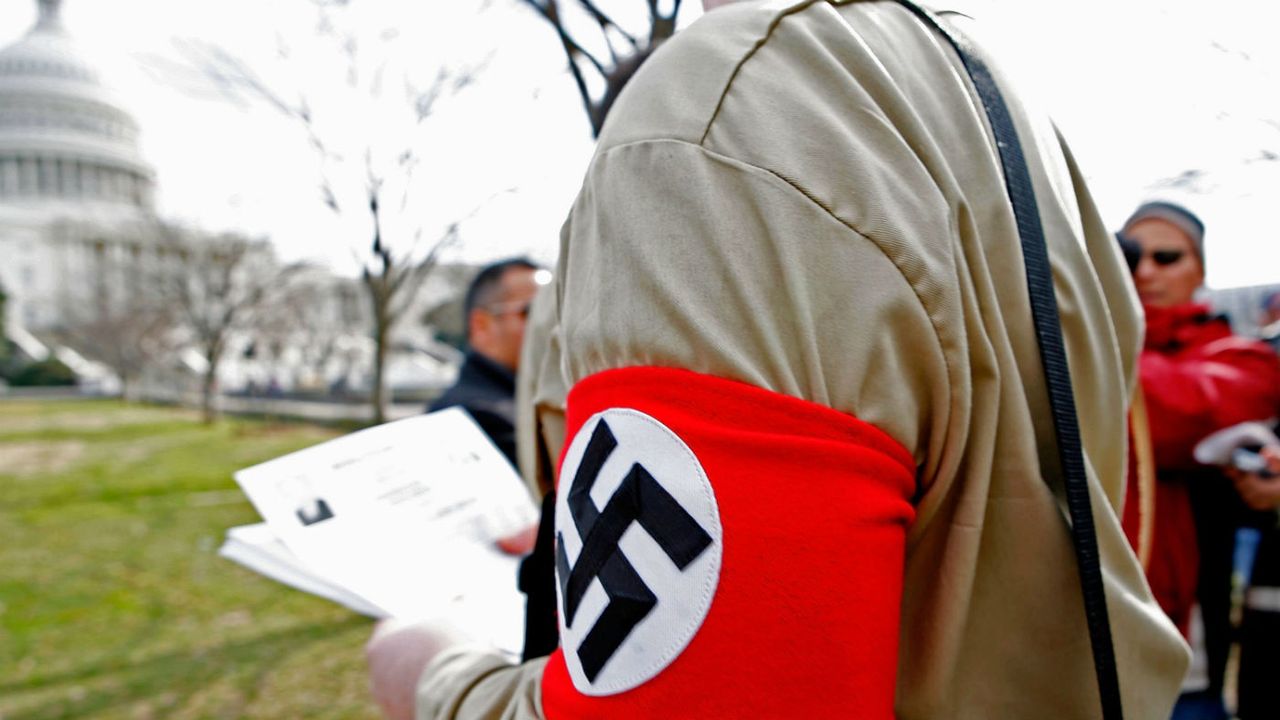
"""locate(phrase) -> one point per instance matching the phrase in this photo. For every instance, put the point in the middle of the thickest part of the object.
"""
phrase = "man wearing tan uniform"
(808, 468)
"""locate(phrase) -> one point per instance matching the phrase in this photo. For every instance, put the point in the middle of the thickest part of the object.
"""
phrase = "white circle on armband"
(638, 550)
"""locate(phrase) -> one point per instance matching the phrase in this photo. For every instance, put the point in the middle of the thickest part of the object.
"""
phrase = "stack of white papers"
(399, 520)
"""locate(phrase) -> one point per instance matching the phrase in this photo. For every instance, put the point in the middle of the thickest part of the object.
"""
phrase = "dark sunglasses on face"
(511, 308)
(1133, 254)
(1165, 258)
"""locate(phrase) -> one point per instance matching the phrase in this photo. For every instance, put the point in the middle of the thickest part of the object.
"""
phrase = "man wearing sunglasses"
(1198, 377)
(496, 307)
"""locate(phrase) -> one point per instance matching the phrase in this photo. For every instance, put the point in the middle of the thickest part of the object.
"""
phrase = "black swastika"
(640, 499)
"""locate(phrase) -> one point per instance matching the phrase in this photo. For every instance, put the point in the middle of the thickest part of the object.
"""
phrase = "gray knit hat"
(1175, 215)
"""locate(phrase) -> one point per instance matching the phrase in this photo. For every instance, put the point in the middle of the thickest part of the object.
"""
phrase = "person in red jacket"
(1197, 377)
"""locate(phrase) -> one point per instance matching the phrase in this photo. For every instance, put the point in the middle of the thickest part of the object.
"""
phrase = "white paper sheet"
(1217, 448)
(257, 548)
(404, 516)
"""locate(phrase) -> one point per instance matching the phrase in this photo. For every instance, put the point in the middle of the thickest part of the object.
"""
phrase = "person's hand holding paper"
(1250, 455)
(406, 516)
(398, 651)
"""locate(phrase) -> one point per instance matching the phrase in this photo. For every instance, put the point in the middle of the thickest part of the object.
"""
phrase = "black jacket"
(487, 391)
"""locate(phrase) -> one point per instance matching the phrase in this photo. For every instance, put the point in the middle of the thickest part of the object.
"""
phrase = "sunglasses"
(1133, 254)
(1165, 258)
(511, 308)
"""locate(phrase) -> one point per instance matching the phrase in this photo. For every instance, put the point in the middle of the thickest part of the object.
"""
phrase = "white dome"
(46, 51)
(63, 136)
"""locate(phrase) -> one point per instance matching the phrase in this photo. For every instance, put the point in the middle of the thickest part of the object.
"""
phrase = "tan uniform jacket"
(805, 196)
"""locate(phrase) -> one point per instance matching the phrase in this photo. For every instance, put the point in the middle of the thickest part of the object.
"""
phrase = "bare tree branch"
(125, 324)
(413, 276)
(382, 165)
(214, 285)
(661, 26)
(608, 28)
(549, 10)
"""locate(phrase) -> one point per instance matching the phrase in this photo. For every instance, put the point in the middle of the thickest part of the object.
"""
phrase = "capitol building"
(75, 193)
(80, 239)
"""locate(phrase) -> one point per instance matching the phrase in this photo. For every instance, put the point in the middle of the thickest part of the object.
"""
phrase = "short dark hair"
(484, 286)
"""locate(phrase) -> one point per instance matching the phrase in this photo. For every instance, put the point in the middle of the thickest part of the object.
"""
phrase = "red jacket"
(1198, 377)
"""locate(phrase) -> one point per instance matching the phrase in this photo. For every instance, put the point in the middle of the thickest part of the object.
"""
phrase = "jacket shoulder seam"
(773, 24)
(814, 200)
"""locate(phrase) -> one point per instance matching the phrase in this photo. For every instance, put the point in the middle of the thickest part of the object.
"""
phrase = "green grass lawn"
(113, 601)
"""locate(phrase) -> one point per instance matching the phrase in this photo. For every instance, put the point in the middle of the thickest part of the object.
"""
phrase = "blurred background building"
(93, 278)
(68, 155)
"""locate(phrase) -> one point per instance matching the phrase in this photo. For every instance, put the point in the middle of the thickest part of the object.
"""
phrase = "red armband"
(724, 551)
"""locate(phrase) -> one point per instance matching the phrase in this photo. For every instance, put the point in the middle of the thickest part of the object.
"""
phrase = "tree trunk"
(208, 384)
(379, 395)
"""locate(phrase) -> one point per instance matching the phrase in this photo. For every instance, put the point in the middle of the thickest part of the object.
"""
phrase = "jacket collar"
(481, 367)
(1182, 326)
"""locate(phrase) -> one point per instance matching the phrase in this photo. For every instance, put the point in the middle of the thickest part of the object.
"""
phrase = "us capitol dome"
(74, 188)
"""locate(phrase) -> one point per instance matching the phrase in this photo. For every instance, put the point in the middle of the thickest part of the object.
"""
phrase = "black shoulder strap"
(1044, 308)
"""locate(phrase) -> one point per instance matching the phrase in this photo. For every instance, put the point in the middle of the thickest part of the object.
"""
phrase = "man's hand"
(520, 543)
(397, 653)
(1257, 491)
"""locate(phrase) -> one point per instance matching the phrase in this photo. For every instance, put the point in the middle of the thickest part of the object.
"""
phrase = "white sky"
(1145, 91)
